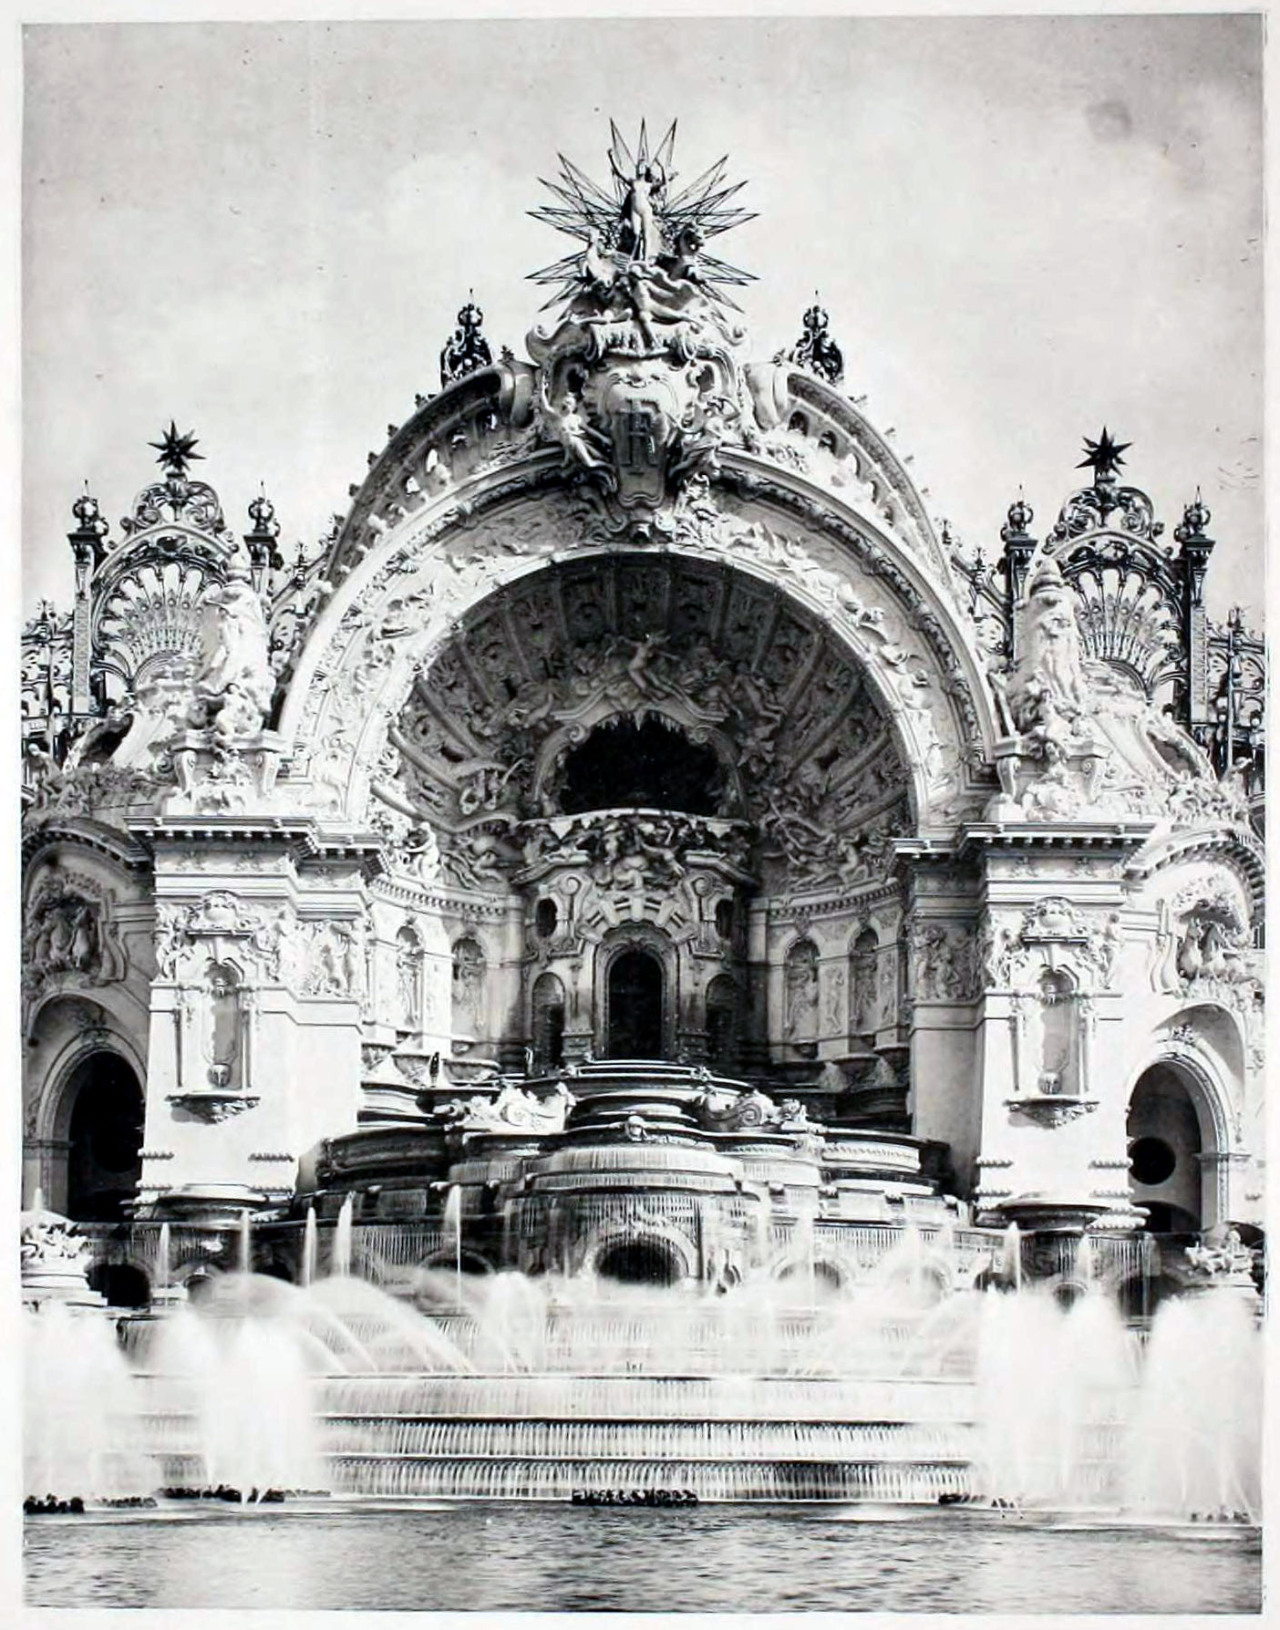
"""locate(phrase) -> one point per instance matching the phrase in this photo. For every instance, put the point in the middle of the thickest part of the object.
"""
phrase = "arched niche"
(864, 983)
(645, 682)
(1058, 1059)
(469, 989)
(409, 965)
(1169, 1136)
(547, 1019)
(800, 994)
(724, 1023)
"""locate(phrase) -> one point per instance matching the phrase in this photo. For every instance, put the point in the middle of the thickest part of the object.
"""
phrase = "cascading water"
(340, 1262)
(893, 1389)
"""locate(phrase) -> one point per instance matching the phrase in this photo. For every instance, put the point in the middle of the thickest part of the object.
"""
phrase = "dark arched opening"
(639, 1262)
(625, 765)
(121, 1283)
(105, 1139)
(1164, 1147)
(635, 1006)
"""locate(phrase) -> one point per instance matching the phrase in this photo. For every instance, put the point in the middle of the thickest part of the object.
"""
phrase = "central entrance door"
(635, 1006)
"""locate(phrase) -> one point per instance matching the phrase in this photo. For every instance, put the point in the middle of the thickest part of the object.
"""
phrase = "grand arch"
(393, 613)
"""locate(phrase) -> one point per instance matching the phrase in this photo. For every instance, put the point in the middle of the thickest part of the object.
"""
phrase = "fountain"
(514, 1387)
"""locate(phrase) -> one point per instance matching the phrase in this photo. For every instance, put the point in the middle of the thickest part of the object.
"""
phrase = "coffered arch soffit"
(733, 704)
(390, 617)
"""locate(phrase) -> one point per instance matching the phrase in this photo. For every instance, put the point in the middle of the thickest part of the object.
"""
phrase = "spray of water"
(896, 1388)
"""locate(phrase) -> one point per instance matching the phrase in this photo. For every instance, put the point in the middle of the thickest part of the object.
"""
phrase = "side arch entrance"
(1171, 1142)
(105, 1111)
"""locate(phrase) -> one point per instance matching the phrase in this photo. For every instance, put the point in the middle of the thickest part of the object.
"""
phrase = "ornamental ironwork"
(467, 350)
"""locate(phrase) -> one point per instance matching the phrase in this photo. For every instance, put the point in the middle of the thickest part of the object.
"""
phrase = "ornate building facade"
(638, 711)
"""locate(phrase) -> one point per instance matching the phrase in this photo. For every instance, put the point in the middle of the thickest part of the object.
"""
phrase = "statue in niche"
(468, 987)
(801, 992)
(409, 978)
(233, 680)
(865, 957)
(222, 1027)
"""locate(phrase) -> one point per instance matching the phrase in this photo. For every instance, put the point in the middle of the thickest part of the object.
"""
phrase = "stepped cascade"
(638, 966)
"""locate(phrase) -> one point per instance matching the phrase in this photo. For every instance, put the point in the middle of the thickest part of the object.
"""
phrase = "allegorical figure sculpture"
(1082, 733)
(233, 680)
(637, 380)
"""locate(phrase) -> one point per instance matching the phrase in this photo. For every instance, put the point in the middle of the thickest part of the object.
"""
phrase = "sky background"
(1022, 228)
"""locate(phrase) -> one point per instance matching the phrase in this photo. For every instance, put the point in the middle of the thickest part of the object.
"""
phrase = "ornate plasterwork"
(512, 1111)
(418, 593)
(802, 749)
(1053, 934)
(70, 940)
(219, 927)
(944, 964)
(1202, 945)
(312, 958)
(1083, 740)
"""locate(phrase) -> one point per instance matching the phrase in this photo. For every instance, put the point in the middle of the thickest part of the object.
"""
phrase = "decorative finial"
(468, 349)
(85, 509)
(176, 451)
(816, 350)
(262, 512)
(1195, 518)
(1103, 457)
(1017, 528)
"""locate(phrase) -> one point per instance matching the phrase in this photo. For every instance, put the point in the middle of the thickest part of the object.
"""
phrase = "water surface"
(562, 1558)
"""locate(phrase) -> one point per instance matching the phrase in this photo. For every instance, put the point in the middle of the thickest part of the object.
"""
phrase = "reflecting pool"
(545, 1557)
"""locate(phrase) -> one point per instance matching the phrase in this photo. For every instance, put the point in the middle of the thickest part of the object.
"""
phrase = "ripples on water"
(559, 1558)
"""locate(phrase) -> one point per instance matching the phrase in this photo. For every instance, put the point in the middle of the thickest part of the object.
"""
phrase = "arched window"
(105, 1139)
(548, 1022)
(468, 989)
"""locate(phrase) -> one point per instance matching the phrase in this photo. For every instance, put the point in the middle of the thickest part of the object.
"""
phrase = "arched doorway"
(1166, 1141)
(104, 1138)
(635, 1006)
(639, 1262)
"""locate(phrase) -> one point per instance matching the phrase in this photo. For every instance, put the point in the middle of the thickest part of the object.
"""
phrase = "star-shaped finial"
(1103, 456)
(176, 451)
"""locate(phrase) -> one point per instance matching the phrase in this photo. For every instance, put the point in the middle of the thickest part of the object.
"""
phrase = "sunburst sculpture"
(640, 218)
